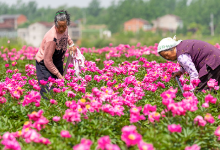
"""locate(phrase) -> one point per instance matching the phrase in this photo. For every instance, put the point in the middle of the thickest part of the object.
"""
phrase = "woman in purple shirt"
(200, 59)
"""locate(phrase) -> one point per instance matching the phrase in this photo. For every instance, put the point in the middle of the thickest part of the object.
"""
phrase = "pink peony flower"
(175, 128)
(6, 65)
(130, 135)
(195, 82)
(205, 105)
(135, 114)
(65, 134)
(32, 97)
(210, 98)
(56, 90)
(56, 118)
(194, 147)
(88, 78)
(44, 141)
(208, 117)
(2, 100)
(42, 82)
(10, 142)
(200, 121)
(84, 145)
(72, 116)
(149, 108)
(103, 141)
(36, 87)
(13, 63)
(216, 88)
(71, 94)
(111, 147)
(35, 116)
(212, 83)
(154, 116)
(187, 87)
(144, 146)
(52, 101)
(217, 131)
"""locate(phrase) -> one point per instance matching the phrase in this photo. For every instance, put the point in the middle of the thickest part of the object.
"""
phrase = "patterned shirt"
(52, 49)
(185, 61)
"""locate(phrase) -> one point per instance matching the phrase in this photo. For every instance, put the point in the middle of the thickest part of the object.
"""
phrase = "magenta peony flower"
(84, 145)
(149, 108)
(208, 117)
(144, 146)
(200, 121)
(71, 94)
(212, 83)
(205, 105)
(194, 147)
(42, 82)
(56, 118)
(175, 128)
(65, 134)
(111, 147)
(130, 135)
(52, 101)
(210, 98)
(6, 65)
(103, 141)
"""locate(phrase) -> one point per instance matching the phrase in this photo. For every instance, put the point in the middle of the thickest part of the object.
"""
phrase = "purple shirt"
(202, 55)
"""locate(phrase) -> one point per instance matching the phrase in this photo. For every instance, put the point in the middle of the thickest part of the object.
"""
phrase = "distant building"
(9, 24)
(167, 23)
(137, 24)
(106, 33)
(35, 32)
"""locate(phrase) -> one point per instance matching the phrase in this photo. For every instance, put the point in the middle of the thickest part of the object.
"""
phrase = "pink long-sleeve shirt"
(52, 43)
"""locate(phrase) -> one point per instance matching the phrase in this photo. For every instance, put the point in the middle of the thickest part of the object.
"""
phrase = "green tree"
(94, 8)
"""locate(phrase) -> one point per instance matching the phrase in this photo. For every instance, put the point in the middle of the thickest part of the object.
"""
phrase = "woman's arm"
(72, 46)
(70, 42)
(185, 61)
(48, 61)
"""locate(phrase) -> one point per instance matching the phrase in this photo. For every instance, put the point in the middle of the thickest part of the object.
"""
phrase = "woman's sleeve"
(185, 61)
(48, 61)
(70, 42)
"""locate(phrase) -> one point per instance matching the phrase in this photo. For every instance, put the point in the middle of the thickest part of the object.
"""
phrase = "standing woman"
(50, 56)
(198, 58)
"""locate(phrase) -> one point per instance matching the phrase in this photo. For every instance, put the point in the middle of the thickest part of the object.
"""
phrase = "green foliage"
(94, 8)
(14, 43)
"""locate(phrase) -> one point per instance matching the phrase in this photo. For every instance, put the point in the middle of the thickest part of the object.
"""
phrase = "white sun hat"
(167, 43)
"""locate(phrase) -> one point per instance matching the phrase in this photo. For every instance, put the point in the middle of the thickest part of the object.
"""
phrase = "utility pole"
(212, 24)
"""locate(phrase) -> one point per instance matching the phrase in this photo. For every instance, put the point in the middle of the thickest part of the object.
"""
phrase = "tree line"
(195, 15)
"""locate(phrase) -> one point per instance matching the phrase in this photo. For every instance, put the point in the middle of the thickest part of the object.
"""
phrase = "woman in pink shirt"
(50, 56)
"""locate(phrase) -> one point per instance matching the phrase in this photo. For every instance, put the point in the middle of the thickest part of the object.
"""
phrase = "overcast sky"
(56, 3)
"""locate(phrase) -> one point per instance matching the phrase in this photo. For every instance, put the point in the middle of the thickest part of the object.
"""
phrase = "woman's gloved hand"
(73, 50)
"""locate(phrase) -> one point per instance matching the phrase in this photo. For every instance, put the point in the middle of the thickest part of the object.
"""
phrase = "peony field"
(124, 99)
